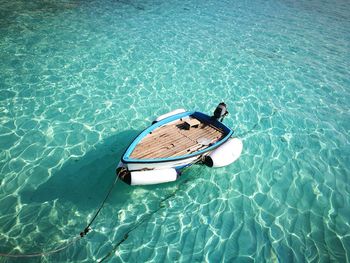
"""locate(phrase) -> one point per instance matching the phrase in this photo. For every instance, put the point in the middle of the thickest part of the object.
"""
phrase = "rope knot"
(86, 230)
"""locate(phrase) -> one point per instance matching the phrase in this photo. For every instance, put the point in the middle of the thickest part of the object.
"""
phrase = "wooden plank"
(192, 149)
(163, 137)
(194, 133)
(180, 145)
(181, 149)
(168, 143)
(157, 143)
(171, 126)
(185, 151)
(171, 151)
(163, 148)
(161, 132)
(201, 134)
(179, 140)
(163, 129)
(165, 151)
(171, 140)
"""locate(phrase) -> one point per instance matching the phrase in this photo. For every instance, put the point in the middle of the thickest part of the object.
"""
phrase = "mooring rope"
(75, 239)
(142, 220)
(87, 228)
(150, 214)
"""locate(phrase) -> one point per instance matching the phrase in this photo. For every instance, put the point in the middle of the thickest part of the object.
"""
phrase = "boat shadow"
(84, 182)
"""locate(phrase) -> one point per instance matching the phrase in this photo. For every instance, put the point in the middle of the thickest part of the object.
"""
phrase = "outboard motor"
(220, 112)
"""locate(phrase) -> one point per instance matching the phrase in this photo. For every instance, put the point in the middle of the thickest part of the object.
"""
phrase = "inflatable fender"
(156, 176)
(226, 154)
(166, 115)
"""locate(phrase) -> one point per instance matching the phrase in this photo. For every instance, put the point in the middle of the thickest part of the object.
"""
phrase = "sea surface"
(80, 79)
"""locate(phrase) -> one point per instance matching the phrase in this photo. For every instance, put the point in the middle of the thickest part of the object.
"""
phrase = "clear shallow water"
(80, 79)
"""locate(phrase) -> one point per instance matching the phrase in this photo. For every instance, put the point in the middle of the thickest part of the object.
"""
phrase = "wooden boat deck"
(175, 140)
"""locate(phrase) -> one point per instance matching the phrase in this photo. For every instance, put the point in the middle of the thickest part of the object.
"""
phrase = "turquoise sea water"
(79, 79)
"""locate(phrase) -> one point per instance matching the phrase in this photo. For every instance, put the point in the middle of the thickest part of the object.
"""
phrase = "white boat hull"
(160, 165)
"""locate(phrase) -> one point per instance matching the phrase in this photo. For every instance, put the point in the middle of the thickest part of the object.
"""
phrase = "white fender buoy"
(153, 176)
(166, 115)
(226, 154)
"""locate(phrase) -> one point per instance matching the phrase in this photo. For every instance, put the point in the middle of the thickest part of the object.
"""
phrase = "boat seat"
(191, 123)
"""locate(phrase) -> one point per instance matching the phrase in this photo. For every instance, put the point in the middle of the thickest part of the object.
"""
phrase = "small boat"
(177, 140)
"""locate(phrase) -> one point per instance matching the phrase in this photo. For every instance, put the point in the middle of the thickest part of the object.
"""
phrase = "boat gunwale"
(201, 116)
